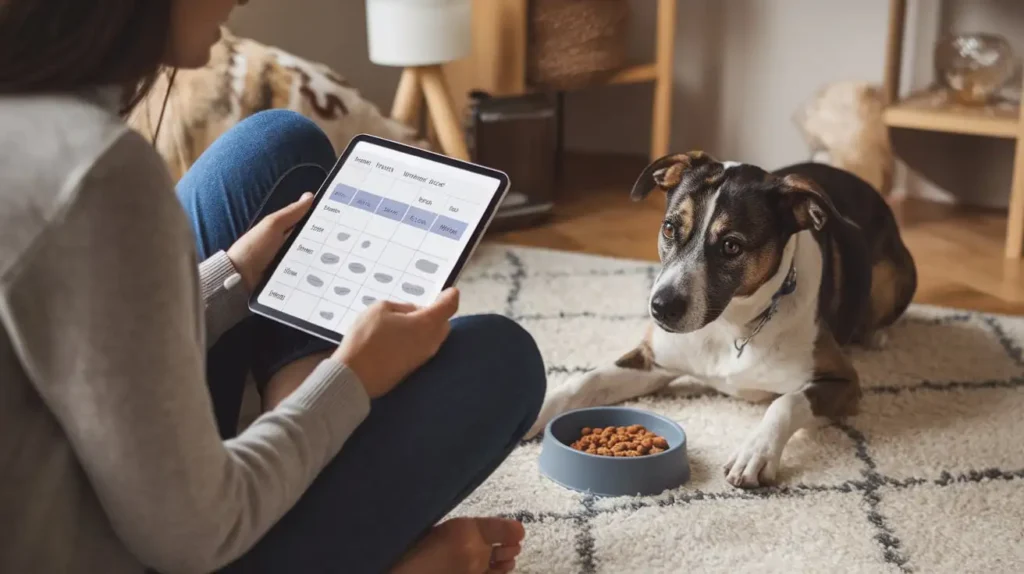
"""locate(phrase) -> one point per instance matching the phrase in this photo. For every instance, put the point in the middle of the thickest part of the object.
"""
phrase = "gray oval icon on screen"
(413, 289)
(426, 266)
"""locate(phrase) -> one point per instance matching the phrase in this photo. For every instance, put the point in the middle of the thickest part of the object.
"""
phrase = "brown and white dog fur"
(731, 235)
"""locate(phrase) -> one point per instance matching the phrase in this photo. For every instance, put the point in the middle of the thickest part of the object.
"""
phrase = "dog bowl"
(613, 476)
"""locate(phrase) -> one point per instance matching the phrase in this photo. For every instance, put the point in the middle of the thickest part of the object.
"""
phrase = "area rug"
(929, 478)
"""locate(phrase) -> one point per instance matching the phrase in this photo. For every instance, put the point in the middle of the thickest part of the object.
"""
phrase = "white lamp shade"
(418, 32)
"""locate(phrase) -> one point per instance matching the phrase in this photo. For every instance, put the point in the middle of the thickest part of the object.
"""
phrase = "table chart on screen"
(383, 231)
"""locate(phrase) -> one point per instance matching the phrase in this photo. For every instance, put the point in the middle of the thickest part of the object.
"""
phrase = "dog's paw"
(755, 464)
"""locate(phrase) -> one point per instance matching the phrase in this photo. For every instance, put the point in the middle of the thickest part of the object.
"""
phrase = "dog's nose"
(668, 308)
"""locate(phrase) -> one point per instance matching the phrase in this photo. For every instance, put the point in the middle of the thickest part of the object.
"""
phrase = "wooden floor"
(958, 250)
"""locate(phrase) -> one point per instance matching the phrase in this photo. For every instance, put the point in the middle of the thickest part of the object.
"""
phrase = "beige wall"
(743, 67)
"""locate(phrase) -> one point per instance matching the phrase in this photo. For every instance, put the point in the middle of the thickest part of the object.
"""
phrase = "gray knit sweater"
(110, 459)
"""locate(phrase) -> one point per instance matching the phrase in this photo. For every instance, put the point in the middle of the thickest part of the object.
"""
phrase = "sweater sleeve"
(225, 298)
(105, 312)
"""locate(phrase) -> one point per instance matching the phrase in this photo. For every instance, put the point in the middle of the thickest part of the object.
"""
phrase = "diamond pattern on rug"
(928, 478)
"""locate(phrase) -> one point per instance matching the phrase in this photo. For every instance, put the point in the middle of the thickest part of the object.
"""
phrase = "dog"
(244, 77)
(764, 277)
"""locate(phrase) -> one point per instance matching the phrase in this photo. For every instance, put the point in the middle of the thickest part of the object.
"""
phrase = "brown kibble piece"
(603, 451)
(621, 430)
(643, 449)
(585, 431)
(633, 429)
(597, 432)
(614, 441)
(619, 447)
(647, 443)
(656, 450)
(659, 442)
(620, 453)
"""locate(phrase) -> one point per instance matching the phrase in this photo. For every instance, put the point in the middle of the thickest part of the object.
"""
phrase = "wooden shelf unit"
(497, 64)
(928, 111)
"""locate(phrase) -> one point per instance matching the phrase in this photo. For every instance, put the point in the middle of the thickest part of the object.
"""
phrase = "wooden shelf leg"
(408, 98)
(661, 120)
(1015, 215)
(893, 67)
(442, 112)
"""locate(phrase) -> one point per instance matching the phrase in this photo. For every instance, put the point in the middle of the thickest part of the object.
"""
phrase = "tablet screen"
(390, 225)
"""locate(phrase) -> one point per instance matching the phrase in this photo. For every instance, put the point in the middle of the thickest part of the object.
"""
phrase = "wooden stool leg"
(442, 112)
(408, 98)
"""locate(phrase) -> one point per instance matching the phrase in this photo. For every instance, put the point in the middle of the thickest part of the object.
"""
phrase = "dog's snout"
(668, 308)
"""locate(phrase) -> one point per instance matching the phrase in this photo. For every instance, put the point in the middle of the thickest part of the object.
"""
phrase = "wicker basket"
(573, 43)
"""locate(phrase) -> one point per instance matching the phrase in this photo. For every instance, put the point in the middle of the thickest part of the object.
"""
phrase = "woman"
(115, 455)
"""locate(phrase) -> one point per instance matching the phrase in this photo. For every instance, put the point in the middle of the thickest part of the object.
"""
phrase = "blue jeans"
(425, 446)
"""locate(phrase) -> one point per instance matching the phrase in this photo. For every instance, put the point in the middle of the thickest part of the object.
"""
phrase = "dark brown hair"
(67, 45)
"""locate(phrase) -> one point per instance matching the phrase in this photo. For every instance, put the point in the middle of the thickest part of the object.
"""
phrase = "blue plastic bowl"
(613, 476)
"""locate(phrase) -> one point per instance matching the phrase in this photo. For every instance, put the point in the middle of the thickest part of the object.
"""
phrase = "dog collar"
(788, 286)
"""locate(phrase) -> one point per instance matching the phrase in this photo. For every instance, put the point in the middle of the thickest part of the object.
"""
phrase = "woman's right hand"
(391, 340)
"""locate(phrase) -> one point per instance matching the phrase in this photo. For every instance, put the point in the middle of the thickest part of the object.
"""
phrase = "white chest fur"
(779, 359)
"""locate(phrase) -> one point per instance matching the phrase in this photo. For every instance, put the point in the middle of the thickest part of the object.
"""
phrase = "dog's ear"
(667, 172)
(808, 205)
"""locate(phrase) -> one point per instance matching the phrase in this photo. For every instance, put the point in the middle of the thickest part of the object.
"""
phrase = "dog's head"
(725, 229)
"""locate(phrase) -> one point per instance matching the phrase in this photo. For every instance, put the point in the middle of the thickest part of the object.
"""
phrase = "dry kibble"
(628, 441)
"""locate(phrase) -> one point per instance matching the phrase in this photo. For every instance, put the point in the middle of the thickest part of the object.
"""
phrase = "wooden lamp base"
(427, 83)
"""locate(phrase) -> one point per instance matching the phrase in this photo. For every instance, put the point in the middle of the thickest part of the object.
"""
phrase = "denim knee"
(517, 358)
(289, 134)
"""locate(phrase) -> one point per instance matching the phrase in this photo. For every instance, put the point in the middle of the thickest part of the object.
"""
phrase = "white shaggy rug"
(929, 478)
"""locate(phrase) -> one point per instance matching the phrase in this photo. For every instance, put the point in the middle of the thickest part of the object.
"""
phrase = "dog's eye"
(668, 230)
(730, 248)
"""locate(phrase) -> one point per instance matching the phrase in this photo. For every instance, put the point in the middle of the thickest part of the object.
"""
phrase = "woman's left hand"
(254, 251)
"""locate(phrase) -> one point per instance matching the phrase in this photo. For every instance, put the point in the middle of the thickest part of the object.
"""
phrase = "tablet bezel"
(256, 307)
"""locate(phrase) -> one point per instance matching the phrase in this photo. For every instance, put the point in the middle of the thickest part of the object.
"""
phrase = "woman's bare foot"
(465, 546)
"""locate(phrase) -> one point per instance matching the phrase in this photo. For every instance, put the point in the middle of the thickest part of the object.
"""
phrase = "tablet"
(391, 222)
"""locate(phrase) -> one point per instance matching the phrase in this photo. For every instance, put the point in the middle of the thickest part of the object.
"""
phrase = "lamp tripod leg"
(442, 112)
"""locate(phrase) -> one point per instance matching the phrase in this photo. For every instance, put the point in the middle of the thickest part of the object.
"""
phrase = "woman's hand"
(254, 251)
(391, 340)
(465, 546)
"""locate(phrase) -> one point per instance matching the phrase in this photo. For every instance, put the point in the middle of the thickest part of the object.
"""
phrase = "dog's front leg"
(833, 393)
(633, 375)
(602, 386)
